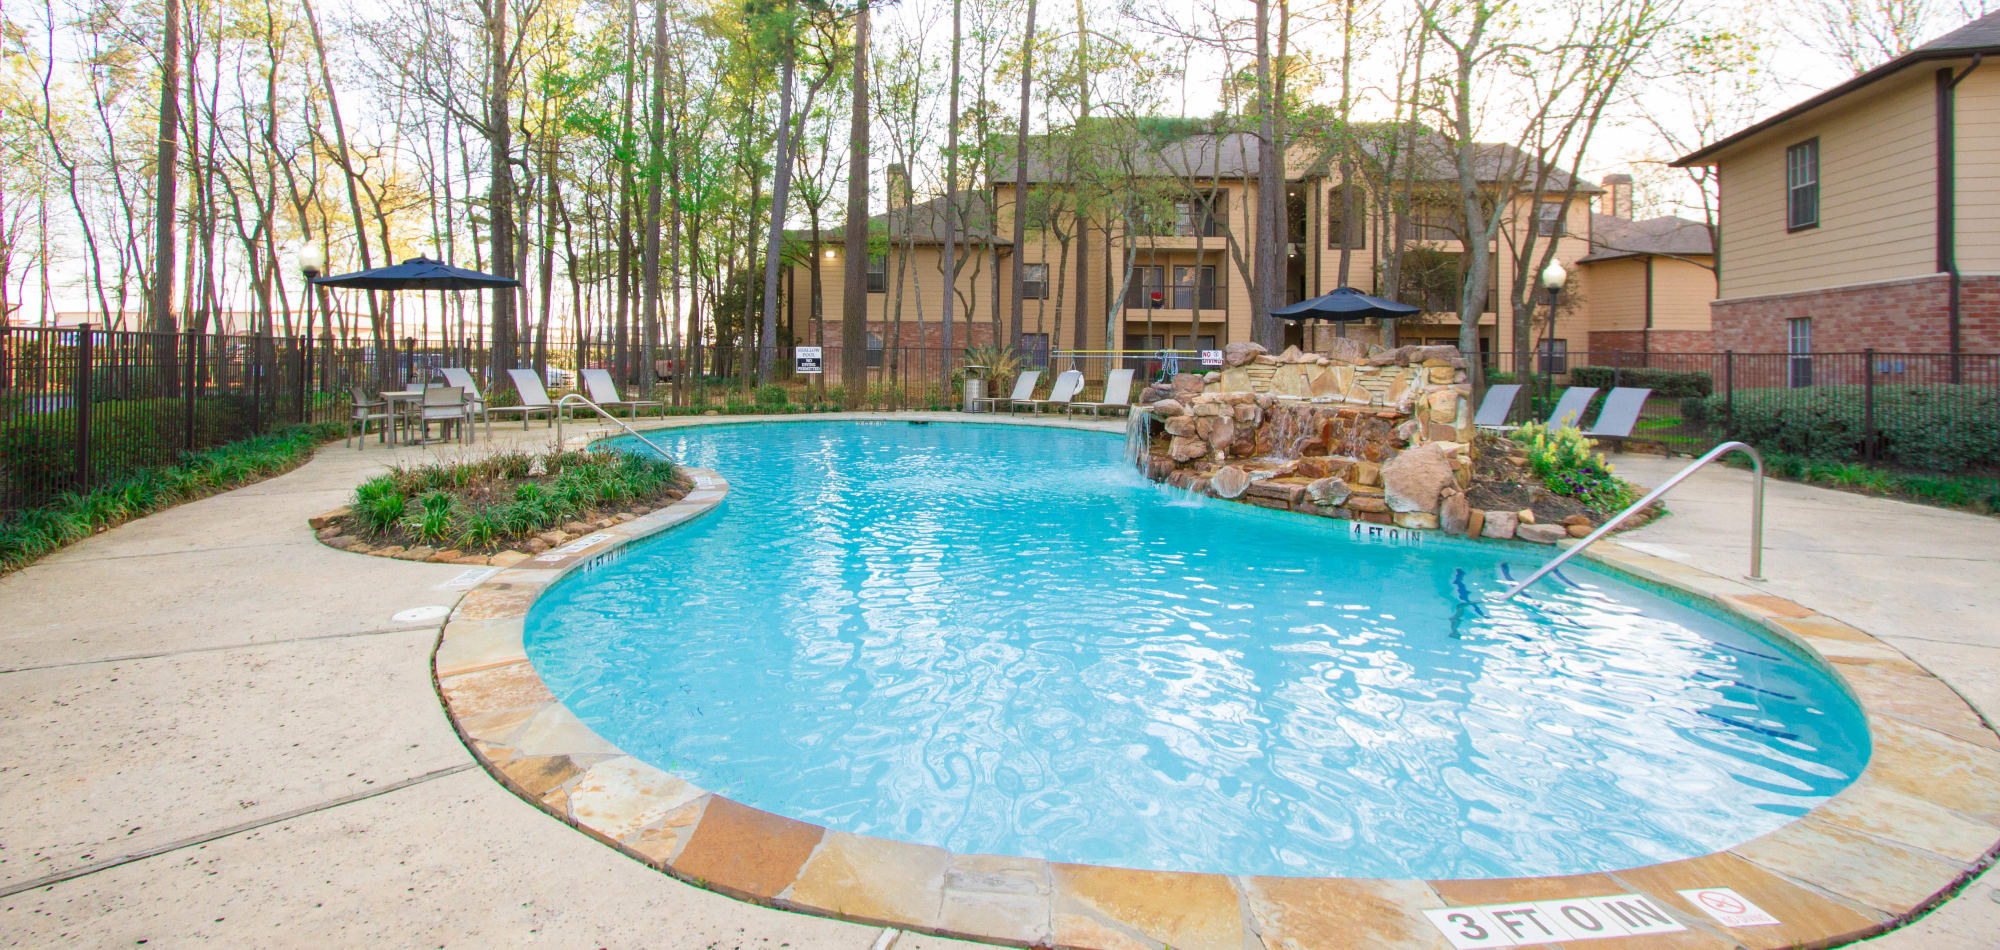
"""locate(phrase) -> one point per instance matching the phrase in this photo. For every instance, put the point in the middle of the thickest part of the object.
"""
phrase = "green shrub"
(772, 395)
(1563, 460)
(1665, 383)
(1933, 428)
(383, 512)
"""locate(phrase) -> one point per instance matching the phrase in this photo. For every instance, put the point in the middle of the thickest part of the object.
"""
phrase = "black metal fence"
(1919, 410)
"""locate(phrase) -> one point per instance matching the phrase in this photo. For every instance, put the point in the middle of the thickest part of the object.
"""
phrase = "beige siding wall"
(1978, 157)
(1617, 298)
(1877, 205)
(1681, 294)
(1617, 294)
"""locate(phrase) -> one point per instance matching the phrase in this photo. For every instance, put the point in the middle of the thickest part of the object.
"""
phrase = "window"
(1034, 282)
(1035, 349)
(878, 273)
(1148, 289)
(1802, 185)
(1341, 230)
(1198, 217)
(1432, 223)
(1798, 333)
(874, 351)
(1553, 357)
(1205, 341)
(1549, 219)
(1184, 287)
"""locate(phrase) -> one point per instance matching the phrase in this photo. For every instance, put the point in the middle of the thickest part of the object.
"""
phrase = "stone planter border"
(1919, 822)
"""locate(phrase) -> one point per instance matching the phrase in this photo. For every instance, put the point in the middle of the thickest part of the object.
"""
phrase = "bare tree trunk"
(854, 294)
(1021, 176)
(656, 131)
(951, 202)
(767, 347)
(500, 192)
(1270, 231)
(160, 309)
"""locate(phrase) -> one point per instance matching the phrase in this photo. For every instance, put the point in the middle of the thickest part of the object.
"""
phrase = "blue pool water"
(1000, 639)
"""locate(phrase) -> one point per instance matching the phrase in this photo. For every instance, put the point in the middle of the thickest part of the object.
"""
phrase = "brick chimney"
(1619, 202)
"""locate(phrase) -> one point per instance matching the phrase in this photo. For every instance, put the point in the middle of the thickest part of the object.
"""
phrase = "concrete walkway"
(1925, 580)
(180, 760)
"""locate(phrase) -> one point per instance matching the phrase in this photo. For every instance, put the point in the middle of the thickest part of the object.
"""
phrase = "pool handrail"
(1756, 515)
(580, 398)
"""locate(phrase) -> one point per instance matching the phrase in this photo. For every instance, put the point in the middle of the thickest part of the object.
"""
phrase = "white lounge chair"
(474, 400)
(1024, 387)
(1068, 384)
(1571, 406)
(1620, 413)
(1117, 394)
(534, 399)
(604, 392)
(1493, 409)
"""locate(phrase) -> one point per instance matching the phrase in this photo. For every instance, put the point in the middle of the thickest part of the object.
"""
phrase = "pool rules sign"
(806, 361)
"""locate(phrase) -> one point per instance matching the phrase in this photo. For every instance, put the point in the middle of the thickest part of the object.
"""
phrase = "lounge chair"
(534, 399)
(1068, 383)
(1024, 387)
(1495, 407)
(368, 409)
(1117, 394)
(1570, 408)
(1620, 414)
(604, 392)
(474, 401)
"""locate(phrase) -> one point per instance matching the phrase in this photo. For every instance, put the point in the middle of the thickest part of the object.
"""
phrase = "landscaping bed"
(500, 509)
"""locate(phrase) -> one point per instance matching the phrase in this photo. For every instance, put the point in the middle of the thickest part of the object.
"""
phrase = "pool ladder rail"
(1756, 515)
(576, 398)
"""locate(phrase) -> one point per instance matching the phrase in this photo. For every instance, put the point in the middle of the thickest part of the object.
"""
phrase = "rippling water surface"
(998, 639)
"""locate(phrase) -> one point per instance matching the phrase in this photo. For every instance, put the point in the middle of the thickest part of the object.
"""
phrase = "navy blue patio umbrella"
(1345, 305)
(418, 273)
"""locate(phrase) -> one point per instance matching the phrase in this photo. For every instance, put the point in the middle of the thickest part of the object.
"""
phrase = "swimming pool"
(998, 639)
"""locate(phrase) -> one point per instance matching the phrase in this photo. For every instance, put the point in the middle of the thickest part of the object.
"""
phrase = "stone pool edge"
(1919, 822)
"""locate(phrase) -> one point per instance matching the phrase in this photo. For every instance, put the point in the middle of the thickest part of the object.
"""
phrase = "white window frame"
(1549, 219)
(1802, 204)
(1034, 281)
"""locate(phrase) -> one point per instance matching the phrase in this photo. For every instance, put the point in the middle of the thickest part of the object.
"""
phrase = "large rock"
(1186, 385)
(1500, 525)
(1153, 393)
(1229, 481)
(1291, 355)
(1216, 430)
(1541, 533)
(1455, 513)
(1241, 352)
(1184, 449)
(1416, 478)
(1443, 404)
(1210, 406)
(1167, 408)
(1347, 350)
(1329, 491)
(1183, 426)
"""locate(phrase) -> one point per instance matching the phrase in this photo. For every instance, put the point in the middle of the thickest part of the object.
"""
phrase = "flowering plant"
(1563, 458)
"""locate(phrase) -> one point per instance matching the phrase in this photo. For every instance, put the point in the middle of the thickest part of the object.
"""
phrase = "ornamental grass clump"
(1563, 458)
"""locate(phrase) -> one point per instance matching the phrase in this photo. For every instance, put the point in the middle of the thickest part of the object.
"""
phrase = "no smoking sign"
(1729, 908)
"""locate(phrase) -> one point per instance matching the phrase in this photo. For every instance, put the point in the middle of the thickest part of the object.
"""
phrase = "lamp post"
(1553, 278)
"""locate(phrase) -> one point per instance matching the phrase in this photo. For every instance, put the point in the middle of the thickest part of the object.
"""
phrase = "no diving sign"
(1729, 908)
(806, 360)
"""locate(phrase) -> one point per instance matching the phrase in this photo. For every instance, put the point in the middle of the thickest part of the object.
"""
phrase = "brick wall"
(1655, 341)
(1905, 316)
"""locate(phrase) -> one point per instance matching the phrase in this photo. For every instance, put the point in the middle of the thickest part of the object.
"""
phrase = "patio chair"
(1569, 409)
(1024, 387)
(462, 378)
(534, 399)
(604, 392)
(446, 406)
(1117, 394)
(368, 409)
(1068, 383)
(1495, 407)
(1620, 414)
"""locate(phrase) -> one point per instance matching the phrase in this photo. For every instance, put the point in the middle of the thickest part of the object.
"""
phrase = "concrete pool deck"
(228, 738)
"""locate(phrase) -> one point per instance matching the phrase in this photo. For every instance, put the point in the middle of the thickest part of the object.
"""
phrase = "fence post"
(256, 384)
(80, 395)
(187, 389)
(299, 371)
(1729, 391)
(1868, 405)
(1617, 367)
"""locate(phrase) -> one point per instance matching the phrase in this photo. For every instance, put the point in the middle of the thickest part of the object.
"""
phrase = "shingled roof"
(1978, 37)
(1613, 237)
(923, 222)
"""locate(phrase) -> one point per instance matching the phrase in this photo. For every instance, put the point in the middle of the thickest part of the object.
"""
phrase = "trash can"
(975, 387)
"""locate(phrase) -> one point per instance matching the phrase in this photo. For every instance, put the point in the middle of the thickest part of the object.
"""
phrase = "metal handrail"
(1756, 515)
(579, 397)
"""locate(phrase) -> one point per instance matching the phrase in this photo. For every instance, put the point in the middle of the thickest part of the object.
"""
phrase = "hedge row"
(1934, 428)
(1665, 383)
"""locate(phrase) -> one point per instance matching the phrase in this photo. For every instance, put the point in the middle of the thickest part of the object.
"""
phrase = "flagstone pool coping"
(1920, 821)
